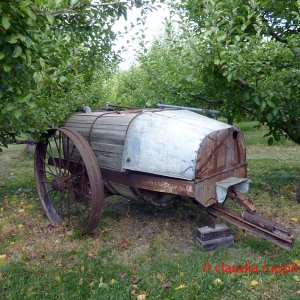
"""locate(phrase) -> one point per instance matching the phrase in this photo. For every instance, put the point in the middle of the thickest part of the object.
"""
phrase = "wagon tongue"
(257, 225)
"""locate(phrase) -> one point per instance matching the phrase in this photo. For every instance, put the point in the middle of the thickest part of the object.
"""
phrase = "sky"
(153, 28)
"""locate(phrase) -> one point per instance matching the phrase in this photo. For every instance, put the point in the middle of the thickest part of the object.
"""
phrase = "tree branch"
(244, 83)
(277, 37)
(75, 7)
(273, 33)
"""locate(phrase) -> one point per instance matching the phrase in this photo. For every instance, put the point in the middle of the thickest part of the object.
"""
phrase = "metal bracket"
(239, 184)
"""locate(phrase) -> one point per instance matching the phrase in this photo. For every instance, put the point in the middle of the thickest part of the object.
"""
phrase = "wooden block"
(207, 233)
(216, 243)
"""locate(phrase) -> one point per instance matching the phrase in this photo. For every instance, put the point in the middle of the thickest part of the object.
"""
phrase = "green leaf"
(50, 18)
(28, 57)
(30, 13)
(216, 61)
(245, 25)
(256, 100)
(37, 76)
(269, 117)
(229, 77)
(7, 68)
(207, 32)
(2, 55)
(25, 98)
(5, 22)
(42, 63)
(17, 52)
(221, 36)
(12, 39)
(62, 79)
(271, 104)
(277, 138)
(17, 113)
(189, 78)
(32, 105)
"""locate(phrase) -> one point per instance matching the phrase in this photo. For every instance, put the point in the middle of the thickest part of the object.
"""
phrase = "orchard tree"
(50, 53)
(249, 51)
(165, 73)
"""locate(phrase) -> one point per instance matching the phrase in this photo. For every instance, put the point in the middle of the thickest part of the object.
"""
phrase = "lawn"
(141, 252)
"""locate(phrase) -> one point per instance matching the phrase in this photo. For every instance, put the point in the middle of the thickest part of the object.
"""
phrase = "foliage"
(241, 57)
(252, 49)
(50, 51)
(163, 75)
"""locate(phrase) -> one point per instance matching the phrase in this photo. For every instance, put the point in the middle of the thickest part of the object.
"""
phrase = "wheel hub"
(61, 183)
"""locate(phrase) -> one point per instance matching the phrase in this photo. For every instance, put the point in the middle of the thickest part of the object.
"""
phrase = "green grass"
(161, 258)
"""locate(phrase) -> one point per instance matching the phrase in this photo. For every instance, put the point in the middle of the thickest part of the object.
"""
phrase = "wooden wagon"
(154, 155)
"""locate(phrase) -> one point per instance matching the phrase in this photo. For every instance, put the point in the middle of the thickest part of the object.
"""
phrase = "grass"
(160, 258)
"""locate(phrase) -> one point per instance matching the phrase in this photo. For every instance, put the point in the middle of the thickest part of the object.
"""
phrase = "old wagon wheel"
(68, 179)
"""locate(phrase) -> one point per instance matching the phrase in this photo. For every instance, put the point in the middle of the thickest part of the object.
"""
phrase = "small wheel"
(68, 179)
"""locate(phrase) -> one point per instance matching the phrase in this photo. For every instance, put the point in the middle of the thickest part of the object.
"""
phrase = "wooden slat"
(104, 155)
(115, 134)
(78, 124)
(110, 163)
(109, 140)
(82, 119)
(113, 120)
(118, 127)
(104, 147)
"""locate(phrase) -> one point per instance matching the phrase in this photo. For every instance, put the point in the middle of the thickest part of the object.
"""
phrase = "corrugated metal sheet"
(167, 142)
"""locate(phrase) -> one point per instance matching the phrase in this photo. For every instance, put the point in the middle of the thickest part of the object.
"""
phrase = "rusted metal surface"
(244, 201)
(205, 188)
(151, 182)
(266, 223)
(226, 150)
(264, 230)
(63, 188)
(221, 155)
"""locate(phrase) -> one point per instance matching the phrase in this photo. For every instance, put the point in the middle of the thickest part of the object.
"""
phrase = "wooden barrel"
(106, 133)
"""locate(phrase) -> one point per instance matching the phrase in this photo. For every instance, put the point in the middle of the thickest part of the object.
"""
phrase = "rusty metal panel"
(220, 150)
(150, 182)
(205, 188)
(167, 142)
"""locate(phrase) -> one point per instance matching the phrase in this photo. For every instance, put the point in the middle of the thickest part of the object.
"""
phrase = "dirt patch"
(148, 229)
